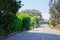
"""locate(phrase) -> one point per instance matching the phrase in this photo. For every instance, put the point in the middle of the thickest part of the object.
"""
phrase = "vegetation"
(51, 24)
(11, 21)
(16, 25)
(28, 21)
(55, 12)
(25, 21)
(34, 21)
(8, 9)
(8, 6)
(32, 13)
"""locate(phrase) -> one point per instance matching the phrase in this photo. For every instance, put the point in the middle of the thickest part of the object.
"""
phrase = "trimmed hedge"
(25, 21)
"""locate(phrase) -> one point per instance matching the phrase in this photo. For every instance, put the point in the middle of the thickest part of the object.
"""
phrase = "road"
(41, 33)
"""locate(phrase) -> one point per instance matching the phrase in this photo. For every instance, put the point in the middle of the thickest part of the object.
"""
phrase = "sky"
(41, 5)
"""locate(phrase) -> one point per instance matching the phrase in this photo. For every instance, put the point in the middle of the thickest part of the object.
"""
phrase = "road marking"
(42, 38)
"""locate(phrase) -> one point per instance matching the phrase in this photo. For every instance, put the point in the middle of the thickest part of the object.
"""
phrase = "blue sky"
(41, 5)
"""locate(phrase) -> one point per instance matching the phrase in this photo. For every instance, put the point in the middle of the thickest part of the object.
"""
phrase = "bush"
(25, 21)
(9, 23)
(6, 21)
(3, 32)
(16, 25)
(51, 24)
(34, 21)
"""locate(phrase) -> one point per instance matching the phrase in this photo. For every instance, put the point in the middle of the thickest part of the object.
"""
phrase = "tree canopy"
(55, 12)
(7, 6)
(8, 9)
(33, 12)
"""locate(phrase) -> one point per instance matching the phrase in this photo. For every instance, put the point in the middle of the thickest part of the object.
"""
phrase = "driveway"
(41, 33)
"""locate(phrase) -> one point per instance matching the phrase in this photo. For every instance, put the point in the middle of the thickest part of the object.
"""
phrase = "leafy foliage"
(9, 6)
(6, 21)
(51, 24)
(10, 23)
(8, 9)
(33, 12)
(16, 25)
(55, 13)
(34, 21)
(25, 21)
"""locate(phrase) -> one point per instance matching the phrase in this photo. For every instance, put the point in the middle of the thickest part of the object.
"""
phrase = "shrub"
(25, 21)
(51, 24)
(9, 23)
(3, 32)
(34, 21)
(16, 25)
(6, 21)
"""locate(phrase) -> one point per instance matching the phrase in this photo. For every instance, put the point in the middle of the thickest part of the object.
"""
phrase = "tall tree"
(8, 9)
(55, 12)
(32, 12)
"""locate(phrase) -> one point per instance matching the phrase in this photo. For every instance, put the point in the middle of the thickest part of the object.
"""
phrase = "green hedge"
(25, 21)
(6, 21)
(16, 25)
(20, 22)
(9, 23)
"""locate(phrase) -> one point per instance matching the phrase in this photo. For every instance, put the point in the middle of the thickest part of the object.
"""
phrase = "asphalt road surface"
(41, 33)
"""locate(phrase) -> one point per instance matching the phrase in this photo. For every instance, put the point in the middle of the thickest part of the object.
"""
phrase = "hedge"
(25, 21)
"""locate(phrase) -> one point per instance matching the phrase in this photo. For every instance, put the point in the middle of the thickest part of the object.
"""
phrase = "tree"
(52, 2)
(54, 12)
(8, 9)
(9, 6)
(33, 12)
